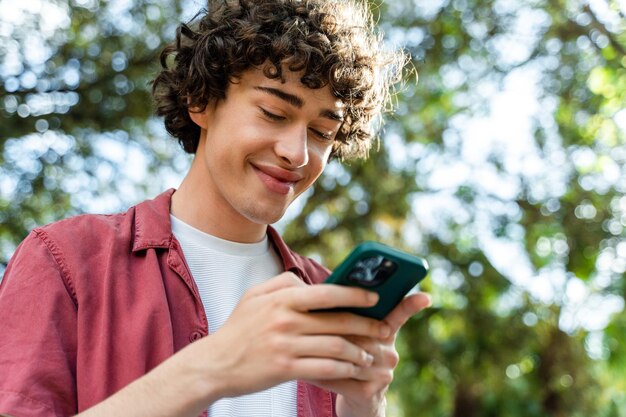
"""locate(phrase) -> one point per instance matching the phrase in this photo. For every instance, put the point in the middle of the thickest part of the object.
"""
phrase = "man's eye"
(325, 136)
(271, 116)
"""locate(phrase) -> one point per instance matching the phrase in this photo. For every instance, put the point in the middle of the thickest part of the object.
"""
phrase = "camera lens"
(358, 275)
(372, 262)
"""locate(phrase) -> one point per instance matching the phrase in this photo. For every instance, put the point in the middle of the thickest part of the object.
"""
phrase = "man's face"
(265, 144)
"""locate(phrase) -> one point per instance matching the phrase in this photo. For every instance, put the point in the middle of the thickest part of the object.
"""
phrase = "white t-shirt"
(223, 271)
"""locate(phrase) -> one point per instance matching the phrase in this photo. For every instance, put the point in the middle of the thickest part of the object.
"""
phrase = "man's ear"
(199, 117)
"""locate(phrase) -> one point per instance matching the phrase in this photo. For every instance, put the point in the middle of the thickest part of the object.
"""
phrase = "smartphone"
(377, 267)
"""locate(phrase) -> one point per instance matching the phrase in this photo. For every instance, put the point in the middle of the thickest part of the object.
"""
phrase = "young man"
(190, 303)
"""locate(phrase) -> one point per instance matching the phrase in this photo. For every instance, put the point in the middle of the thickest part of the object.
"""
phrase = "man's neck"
(194, 204)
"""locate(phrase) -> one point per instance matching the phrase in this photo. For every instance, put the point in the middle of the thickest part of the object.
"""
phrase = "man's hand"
(364, 394)
(271, 337)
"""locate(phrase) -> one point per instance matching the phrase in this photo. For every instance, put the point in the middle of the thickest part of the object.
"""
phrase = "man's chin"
(265, 217)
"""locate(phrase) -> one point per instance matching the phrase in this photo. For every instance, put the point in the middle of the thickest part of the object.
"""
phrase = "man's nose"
(292, 147)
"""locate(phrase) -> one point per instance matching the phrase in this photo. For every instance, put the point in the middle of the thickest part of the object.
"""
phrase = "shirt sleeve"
(38, 333)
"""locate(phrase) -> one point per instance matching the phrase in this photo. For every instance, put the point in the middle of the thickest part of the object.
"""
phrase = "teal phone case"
(366, 262)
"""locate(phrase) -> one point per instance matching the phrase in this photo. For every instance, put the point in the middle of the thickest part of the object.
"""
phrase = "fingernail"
(369, 359)
(372, 297)
(385, 331)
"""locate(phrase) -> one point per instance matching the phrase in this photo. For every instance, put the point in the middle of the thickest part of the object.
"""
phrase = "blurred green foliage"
(504, 166)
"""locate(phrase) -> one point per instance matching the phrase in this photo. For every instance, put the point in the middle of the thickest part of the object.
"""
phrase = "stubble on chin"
(256, 213)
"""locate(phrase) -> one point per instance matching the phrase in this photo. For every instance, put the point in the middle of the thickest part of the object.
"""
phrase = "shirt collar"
(291, 262)
(153, 228)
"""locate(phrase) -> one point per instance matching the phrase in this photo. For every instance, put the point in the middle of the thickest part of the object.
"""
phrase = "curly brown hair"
(331, 42)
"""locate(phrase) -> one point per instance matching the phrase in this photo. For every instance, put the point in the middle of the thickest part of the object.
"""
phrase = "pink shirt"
(91, 303)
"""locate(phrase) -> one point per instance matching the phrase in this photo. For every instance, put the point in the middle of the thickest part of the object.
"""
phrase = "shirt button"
(195, 336)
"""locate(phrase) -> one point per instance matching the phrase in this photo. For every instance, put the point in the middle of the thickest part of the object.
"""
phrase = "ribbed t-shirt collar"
(200, 238)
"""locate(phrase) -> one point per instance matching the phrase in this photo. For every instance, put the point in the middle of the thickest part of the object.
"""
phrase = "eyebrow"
(298, 102)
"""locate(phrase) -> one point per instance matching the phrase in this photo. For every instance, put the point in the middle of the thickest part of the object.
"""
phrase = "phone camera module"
(372, 271)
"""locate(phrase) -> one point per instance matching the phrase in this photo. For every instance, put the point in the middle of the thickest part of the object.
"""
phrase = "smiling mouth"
(277, 180)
